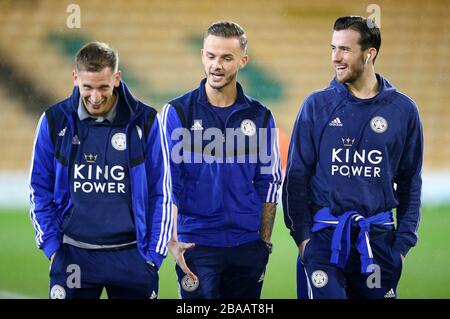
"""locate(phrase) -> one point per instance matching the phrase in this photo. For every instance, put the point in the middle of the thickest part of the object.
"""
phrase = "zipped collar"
(241, 100)
(385, 89)
(125, 99)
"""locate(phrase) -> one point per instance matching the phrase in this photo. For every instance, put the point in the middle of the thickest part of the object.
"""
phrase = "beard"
(223, 83)
(352, 74)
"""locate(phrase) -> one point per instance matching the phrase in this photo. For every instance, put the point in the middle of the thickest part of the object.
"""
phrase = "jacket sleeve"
(42, 181)
(301, 164)
(159, 197)
(172, 127)
(268, 174)
(409, 185)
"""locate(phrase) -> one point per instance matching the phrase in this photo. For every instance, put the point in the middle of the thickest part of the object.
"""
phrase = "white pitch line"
(14, 295)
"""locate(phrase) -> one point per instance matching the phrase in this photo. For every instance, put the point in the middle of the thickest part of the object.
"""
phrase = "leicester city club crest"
(188, 284)
(248, 127)
(319, 278)
(57, 292)
(119, 141)
(378, 124)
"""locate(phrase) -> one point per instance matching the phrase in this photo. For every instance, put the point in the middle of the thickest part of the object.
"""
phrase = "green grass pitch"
(24, 269)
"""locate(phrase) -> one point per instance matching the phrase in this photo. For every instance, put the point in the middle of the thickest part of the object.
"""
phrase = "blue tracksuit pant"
(225, 272)
(83, 273)
(317, 277)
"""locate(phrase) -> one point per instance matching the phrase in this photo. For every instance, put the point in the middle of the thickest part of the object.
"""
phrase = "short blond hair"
(228, 29)
(95, 56)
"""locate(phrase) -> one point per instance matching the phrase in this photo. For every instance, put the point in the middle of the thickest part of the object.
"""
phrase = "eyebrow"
(103, 86)
(223, 56)
(340, 47)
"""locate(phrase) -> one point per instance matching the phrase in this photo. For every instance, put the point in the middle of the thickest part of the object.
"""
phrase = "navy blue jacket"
(219, 192)
(147, 163)
(352, 154)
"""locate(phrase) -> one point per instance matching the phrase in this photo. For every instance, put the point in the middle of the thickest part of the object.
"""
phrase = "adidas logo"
(390, 294)
(154, 295)
(75, 140)
(262, 277)
(62, 132)
(336, 122)
(197, 126)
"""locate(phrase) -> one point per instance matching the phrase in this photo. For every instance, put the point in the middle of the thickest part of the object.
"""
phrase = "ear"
(244, 61)
(371, 54)
(202, 55)
(117, 78)
(75, 77)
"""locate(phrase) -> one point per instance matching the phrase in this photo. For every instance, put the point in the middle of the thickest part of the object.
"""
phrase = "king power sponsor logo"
(364, 163)
(97, 179)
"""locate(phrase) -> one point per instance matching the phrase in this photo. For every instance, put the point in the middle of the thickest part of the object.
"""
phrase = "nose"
(336, 55)
(216, 64)
(95, 96)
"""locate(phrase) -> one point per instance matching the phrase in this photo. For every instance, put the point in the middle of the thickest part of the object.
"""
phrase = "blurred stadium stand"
(159, 43)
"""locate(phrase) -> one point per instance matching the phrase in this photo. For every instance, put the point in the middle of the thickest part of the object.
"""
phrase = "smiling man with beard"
(355, 155)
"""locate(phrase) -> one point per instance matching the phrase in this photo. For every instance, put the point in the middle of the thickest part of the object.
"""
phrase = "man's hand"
(177, 250)
(301, 248)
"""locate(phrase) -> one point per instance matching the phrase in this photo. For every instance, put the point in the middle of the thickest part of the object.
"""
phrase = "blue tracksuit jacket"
(350, 154)
(220, 203)
(148, 167)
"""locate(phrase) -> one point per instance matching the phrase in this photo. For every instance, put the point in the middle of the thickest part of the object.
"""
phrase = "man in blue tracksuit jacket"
(355, 155)
(100, 186)
(226, 171)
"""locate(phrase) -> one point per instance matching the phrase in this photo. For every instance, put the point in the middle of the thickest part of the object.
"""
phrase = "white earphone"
(367, 59)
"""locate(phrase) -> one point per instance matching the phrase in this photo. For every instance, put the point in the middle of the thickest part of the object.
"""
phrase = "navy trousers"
(77, 273)
(318, 278)
(224, 272)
